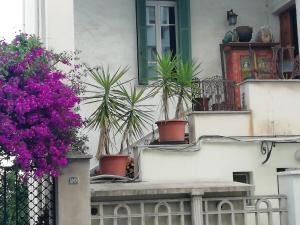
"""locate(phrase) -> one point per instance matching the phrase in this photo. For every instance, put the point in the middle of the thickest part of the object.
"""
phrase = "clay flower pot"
(171, 130)
(113, 165)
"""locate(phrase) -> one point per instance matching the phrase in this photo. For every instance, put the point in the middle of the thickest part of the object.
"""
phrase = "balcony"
(214, 94)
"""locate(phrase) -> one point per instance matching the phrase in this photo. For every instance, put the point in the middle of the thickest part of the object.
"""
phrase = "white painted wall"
(58, 24)
(226, 123)
(52, 21)
(105, 32)
(209, 24)
(274, 106)
(31, 17)
(217, 161)
(289, 184)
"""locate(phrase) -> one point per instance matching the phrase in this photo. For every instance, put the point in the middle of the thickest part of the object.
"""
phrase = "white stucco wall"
(105, 32)
(217, 161)
(209, 25)
(52, 21)
(274, 106)
(226, 123)
(59, 24)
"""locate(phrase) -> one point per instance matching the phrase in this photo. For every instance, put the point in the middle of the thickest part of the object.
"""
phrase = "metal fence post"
(196, 203)
(283, 214)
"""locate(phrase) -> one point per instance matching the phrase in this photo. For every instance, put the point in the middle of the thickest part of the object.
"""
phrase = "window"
(246, 178)
(161, 31)
(162, 26)
(242, 177)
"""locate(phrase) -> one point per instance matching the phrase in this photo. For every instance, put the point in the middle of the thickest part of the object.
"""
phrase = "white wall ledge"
(270, 81)
(171, 187)
(219, 112)
(78, 155)
(289, 173)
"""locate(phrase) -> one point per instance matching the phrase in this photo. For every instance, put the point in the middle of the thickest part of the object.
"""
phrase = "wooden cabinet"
(244, 60)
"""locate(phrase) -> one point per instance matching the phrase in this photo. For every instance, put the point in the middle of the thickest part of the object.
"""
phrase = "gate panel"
(29, 201)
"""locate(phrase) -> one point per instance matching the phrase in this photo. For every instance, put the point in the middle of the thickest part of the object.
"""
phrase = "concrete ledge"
(219, 112)
(289, 173)
(270, 81)
(177, 147)
(163, 188)
(78, 155)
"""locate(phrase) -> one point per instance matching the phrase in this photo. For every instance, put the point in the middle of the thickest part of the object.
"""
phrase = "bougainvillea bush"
(36, 106)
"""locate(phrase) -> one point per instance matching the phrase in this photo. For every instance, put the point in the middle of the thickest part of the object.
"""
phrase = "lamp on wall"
(231, 17)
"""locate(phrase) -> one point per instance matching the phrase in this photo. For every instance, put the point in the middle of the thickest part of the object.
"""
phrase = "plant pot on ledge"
(113, 164)
(171, 131)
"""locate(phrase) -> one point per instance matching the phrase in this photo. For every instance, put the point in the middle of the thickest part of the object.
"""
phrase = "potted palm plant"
(185, 72)
(174, 82)
(119, 111)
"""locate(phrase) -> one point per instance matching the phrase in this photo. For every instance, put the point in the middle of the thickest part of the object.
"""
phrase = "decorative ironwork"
(213, 94)
(284, 62)
(268, 210)
(266, 148)
(25, 201)
(146, 212)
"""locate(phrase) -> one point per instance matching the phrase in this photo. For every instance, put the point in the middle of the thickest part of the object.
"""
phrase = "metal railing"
(254, 210)
(214, 94)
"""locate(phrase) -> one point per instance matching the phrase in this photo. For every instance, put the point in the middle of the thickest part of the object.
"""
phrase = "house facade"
(250, 144)
(116, 33)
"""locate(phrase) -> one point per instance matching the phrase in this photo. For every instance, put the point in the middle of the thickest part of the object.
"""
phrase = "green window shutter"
(141, 40)
(184, 30)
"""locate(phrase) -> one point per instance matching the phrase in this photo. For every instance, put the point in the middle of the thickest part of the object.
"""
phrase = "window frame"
(249, 180)
(158, 25)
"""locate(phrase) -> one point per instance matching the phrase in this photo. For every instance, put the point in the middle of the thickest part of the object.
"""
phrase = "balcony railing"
(214, 94)
(254, 210)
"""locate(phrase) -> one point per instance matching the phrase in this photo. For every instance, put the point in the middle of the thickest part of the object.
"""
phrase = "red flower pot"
(171, 130)
(113, 164)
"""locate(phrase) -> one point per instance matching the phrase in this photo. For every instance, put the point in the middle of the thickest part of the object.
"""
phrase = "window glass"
(161, 31)
(167, 15)
(168, 40)
(150, 15)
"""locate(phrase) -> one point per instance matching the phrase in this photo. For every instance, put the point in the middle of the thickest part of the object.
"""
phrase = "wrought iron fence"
(267, 210)
(29, 201)
(214, 94)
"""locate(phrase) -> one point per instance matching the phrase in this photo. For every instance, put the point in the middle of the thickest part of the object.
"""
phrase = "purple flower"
(36, 109)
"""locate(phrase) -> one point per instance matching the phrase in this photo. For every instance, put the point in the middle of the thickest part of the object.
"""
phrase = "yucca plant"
(185, 72)
(111, 107)
(136, 114)
(166, 67)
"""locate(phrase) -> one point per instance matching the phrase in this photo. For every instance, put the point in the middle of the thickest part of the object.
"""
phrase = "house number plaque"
(73, 180)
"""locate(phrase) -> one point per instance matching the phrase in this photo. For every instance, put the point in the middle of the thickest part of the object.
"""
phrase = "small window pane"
(168, 39)
(151, 54)
(167, 15)
(151, 36)
(151, 71)
(150, 15)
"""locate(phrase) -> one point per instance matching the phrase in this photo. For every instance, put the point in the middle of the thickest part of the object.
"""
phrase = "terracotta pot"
(113, 164)
(171, 130)
(244, 33)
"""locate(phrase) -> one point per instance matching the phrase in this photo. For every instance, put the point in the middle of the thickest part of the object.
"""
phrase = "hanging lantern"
(231, 18)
